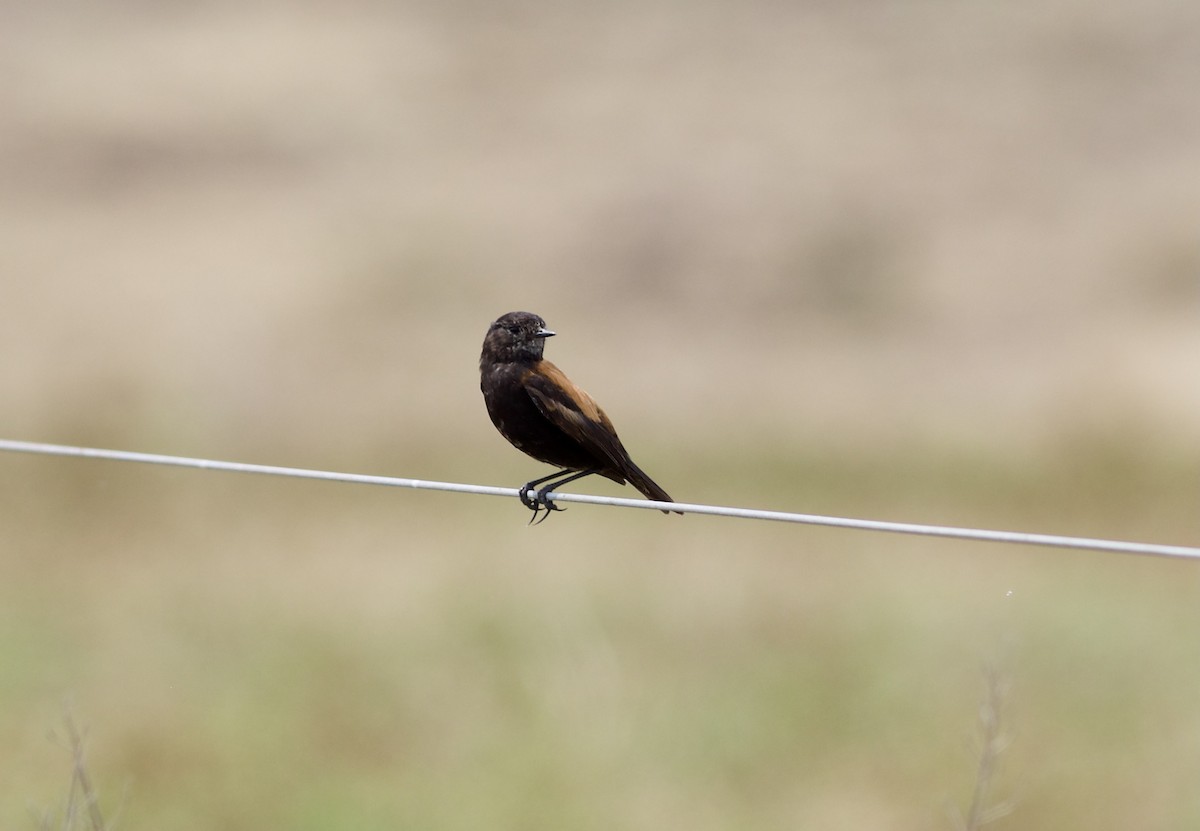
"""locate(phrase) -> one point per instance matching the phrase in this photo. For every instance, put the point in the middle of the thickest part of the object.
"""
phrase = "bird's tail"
(647, 486)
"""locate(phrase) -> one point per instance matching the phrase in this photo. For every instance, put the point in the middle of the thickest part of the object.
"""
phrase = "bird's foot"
(528, 501)
(543, 499)
(537, 501)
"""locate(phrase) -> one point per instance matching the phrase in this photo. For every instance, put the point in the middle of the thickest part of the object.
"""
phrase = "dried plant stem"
(82, 802)
(995, 742)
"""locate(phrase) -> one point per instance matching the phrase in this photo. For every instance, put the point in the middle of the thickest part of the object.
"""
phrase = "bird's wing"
(575, 413)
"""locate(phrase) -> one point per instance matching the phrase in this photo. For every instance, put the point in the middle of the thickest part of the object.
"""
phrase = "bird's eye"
(513, 328)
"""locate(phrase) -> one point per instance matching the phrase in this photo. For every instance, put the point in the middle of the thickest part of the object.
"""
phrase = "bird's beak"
(543, 332)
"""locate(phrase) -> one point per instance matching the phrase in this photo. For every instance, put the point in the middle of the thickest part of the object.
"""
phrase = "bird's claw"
(537, 502)
(523, 495)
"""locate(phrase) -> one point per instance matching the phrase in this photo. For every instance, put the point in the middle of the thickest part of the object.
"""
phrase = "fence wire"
(975, 534)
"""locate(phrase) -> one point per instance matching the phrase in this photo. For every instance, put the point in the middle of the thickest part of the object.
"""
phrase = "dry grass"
(985, 808)
(81, 807)
(924, 262)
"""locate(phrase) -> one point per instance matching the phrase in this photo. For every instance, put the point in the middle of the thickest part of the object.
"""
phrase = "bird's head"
(516, 336)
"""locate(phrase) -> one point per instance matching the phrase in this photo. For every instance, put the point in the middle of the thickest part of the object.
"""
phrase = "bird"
(543, 414)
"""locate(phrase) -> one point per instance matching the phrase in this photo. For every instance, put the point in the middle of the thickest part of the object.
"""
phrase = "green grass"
(324, 662)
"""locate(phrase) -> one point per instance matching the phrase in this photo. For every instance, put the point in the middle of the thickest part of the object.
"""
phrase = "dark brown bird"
(537, 408)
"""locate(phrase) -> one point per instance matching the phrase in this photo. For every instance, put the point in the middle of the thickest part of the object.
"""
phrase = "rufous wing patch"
(575, 412)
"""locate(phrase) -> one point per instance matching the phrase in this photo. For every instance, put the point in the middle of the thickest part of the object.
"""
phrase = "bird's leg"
(528, 501)
(536, 500)
(541, 497)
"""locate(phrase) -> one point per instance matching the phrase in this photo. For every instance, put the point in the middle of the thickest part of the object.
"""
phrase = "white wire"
(1019, 538)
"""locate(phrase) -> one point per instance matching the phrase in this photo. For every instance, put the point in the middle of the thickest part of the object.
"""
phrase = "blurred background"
(927, 261)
